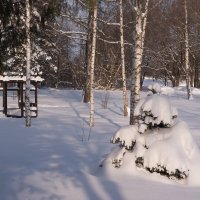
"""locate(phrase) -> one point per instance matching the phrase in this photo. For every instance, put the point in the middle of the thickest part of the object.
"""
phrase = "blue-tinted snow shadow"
(48, 161)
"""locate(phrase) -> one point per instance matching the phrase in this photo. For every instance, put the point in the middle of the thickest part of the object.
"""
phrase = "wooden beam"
(21, 98)
(36, 98)
(3, 83)
(6, 99)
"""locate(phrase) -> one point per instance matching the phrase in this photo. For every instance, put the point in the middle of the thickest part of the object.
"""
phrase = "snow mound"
(167, 91)
(196, 91)
(172, 156)
(126, 136)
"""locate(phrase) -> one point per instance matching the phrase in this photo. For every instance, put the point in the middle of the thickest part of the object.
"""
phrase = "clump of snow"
(155, 88)
(171, 155)
(137, 110)
(116, 157)
(20, 78)
(196, 91)
(156, 110)
(36, 13)
(142, 128)
(126, 136)
(167, 90)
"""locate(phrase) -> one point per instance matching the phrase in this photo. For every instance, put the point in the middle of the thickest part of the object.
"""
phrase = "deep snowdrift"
(158, 143)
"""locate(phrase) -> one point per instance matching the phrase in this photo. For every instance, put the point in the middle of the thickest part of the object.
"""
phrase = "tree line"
(60, 35)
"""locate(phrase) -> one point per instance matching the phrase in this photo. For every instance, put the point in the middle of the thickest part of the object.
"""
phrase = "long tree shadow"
(47, 161)
(51, 168)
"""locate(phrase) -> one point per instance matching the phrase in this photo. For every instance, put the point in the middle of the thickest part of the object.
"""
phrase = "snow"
(54, 159)
(20, 78)
(167, 90)
(155, 88)
(167, 152)
(156, 109)
(126, 135)
(173, 152)
(36, 13)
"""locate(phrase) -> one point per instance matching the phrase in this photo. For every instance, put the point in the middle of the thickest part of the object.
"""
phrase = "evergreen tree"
(13, 33)
(158, 143)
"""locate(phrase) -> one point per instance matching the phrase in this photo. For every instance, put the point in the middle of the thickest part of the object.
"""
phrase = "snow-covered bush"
(155, 111)
(159, 143)
(169, 155)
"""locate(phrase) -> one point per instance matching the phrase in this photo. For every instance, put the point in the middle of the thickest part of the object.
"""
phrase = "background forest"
(60, 34)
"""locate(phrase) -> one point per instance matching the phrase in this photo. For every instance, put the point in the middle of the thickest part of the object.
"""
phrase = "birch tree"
(140, 28)
(187, 62)
(86, 98)
(123, 58)
(28, 66)
(92, 62)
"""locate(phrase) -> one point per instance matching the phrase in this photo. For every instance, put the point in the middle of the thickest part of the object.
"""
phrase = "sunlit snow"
(54, 159)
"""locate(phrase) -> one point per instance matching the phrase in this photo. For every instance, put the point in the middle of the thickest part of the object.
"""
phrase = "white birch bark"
(92, 62)
(86, 98)
(141, 21)
(28, 65)
(123, 59)
(187, 62)
(144, 23)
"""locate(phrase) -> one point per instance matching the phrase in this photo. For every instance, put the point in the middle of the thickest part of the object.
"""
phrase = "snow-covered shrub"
(170, 155)
(158, 144)
(156, 110)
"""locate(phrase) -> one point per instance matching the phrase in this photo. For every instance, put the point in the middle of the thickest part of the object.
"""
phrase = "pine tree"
(158, 143)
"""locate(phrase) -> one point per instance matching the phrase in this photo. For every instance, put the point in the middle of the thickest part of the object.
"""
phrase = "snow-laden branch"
(113, 42)
(82, 3)
(69, 34)
(109, 23)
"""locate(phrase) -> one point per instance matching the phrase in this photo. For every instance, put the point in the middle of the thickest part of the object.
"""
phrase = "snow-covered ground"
(58, 157)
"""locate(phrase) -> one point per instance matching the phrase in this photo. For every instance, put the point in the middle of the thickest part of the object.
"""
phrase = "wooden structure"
(17, 84)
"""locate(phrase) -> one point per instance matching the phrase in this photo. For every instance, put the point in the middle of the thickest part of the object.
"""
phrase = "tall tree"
(123, 58)
(92, 62)
(86, 97)
(28, 66)
(140, 27)
(187, 62)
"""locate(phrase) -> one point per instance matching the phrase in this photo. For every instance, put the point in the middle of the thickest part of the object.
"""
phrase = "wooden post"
(18, 94)
(3, 97)
(22, 98)
(36, 98)
(36, 90)
(5, 100)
